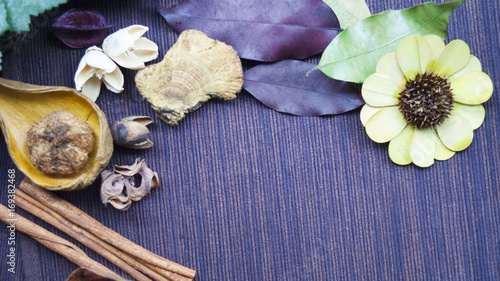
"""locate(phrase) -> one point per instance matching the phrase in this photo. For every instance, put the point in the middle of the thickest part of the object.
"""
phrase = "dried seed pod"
(78, 28)
(60, 144)
(23, 104)
(194, 70)
(131, 132)
(118, 185)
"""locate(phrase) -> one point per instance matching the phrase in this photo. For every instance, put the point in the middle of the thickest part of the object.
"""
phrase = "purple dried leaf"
(79, 28)
(284, 87)
(259, 30)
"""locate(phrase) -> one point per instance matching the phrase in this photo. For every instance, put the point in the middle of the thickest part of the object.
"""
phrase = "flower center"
(426, 100)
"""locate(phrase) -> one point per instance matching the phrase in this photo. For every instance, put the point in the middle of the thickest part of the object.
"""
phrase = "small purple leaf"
(259, 30)
(284, 87)
(81, 28)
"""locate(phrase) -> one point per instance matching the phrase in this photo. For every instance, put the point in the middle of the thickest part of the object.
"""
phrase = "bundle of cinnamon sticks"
(130, 257)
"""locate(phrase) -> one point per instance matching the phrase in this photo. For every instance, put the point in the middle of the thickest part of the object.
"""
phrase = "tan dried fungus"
(60, 144)
(194, 70)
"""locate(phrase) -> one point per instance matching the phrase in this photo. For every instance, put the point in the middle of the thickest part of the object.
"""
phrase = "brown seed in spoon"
(60, 144)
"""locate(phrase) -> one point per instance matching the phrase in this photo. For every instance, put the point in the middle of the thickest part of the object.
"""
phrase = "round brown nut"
(60, 144)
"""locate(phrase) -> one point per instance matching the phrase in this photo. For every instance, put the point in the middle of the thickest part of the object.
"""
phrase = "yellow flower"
(425, 100)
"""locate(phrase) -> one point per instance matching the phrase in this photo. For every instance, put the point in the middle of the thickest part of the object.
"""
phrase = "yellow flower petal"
(442, 152)
(399, 147)
(437, 46)
(385, 124)
(453, 58)
(414, 55)
(455, 132)
(472, 88)
(472, 65)
(388, 66)
(380, 90)
(473, 113)
(367, 112)
(423, 147)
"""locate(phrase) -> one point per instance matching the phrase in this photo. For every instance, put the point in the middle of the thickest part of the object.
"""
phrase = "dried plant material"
(60, 144)
(87, 274)
(16, 121)
(271, 30)
(118, 185)
(284, 87)
(194, 70)
(18, 14)
(94, 67)
(131, 132)
(56, 243)
(93, 242)
(79, 225)
(129, 49)
(79, 28)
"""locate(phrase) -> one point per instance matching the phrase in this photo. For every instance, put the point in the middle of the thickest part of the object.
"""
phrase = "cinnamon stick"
(30, 205)
(55, 243)
(80, 218)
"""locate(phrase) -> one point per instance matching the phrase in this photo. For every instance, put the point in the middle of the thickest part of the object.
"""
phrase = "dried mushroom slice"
(194, 70)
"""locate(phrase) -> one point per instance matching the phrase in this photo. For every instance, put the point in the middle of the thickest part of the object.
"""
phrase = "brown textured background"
(248, 193)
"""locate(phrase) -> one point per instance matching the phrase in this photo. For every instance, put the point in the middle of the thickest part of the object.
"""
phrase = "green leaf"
(4, 25)
(353, 54)
(19, 12)
(349, 12)
(15, 15)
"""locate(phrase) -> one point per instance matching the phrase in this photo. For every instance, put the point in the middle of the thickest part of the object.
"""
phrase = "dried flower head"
(94, 67)
(118, 185)
(60, 144)
(129, 49)
(425, 99)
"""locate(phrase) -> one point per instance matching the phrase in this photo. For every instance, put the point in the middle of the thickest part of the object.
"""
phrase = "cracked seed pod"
(131, 132)
(22, 105)
(118, 185)
(194, 70)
